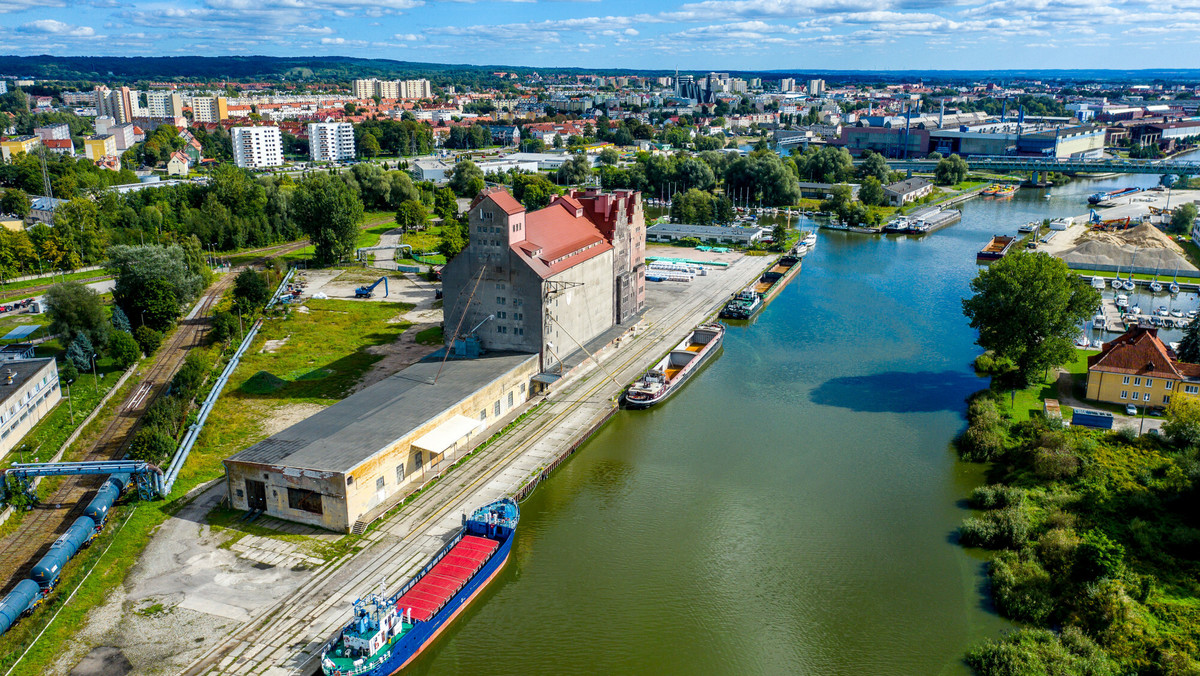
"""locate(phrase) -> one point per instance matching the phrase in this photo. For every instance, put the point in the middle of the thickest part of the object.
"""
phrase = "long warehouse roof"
(341, 437)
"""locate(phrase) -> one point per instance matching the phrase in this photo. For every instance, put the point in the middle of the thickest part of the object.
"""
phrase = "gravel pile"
(1145, 247)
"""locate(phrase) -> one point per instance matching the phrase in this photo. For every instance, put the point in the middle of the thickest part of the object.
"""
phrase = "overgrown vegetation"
(1097, 541)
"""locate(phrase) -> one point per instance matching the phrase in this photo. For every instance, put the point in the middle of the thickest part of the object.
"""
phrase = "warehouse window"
(510, 399)
(400, 473)
(496, 408)
(305, 500)
(380, 483)
(419, 460)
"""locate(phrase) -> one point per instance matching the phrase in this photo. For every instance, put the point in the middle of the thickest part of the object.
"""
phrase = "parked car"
(1130, 409)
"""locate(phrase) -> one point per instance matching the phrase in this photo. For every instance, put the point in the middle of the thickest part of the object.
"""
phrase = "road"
(287, 637)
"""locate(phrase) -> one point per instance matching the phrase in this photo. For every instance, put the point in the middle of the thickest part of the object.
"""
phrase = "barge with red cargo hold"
(387, 634)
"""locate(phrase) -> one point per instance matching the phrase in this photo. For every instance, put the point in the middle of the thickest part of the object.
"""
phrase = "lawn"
(1164, 278)
(1022, 404)
(12, 289)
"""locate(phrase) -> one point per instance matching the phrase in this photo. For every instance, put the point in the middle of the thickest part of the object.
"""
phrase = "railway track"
(20, 550)
(286, 638)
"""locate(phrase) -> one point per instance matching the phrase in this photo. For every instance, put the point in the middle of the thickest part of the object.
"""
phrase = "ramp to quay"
(286, 638)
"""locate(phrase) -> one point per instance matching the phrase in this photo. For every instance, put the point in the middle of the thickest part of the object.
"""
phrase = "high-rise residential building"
(103, 124)
(122, 134)
(787, 84)
(816, 87)
(115, 103)
(393, 89)
(330, 141)
(256, 147)
(3, 87)
(163, 104)
(210, 108)
(416, 89)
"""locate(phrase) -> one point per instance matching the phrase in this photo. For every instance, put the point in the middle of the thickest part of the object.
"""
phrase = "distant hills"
(337, 68)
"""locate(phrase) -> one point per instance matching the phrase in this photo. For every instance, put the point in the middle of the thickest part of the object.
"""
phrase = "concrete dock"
(287, 637)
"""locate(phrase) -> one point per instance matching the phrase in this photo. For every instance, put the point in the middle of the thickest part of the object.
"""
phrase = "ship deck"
(447, 577)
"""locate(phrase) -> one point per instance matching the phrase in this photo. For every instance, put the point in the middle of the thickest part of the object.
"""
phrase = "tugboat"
(668, 375)
(386, 634)
(742, 306)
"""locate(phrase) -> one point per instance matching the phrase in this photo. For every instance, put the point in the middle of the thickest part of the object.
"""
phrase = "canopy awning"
(443, 437)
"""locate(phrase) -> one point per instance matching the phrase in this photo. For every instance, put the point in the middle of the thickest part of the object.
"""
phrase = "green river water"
(793, 509)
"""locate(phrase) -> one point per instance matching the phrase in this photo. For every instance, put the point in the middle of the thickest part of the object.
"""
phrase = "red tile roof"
(502, 199)
(1139, 352)
(556, 240)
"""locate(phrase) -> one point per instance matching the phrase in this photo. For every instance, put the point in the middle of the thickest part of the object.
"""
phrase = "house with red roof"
(547, 281)
(1137, 368)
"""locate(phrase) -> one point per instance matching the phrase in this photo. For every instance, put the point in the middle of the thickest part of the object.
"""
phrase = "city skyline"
(718, 34)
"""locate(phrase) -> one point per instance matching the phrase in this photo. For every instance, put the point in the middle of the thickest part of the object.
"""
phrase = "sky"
(646, 34)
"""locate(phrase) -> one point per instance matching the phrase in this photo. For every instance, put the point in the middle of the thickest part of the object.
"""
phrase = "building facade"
(115, 103)
(331, 141)
(909, 190)
(164, 104)
(96, 148)
(210, 108)
(18, 144)
(28, 392)
(355, 459)
(547, 281)
(1137, 368)
(257, 147)
(53, 132)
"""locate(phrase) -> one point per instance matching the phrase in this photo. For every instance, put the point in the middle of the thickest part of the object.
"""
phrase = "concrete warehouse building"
(551, 280)
(360, 456)
(28, 392)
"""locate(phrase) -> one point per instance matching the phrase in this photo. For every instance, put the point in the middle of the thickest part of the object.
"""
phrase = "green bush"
(187, 380)
(151, 444)
(1022, 588)
(1056, 550)
(996, 496)
(1099, 557)
(1006, 528)
(1039, 652)
(980, 444)
(123, 349)
(224, 326)
(148, 339)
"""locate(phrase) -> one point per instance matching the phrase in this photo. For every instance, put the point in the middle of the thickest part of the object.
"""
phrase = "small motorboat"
(1177, 313)
(1098, 283)
(1190, 314)
(1162, 311)
(1098, 323)
(1135, 310)
(1156, 287)
(1121, 300)
(1046, 196)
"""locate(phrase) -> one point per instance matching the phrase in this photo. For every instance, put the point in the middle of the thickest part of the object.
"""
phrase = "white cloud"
(55, 27)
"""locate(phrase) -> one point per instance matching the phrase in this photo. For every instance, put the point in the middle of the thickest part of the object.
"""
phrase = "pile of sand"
(1145, 247)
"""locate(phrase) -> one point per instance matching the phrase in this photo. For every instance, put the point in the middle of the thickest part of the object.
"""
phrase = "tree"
(411, 216)
(120, 322)
(444, 203)
(610, 156)
(153, 282)
(152, 444)
(329, 212)
(1189, 347)
(461, 178)
(250, 289)
(871, 192)
(368, 145)
(68, 372)
(74, 310)
(779, 235)
(694, 207)
(1183, 420)
(224, 327)
(452, 242)
(1183, 218)
(123, 349)
(874, 165)
(148, 339)
(80, 352)
(951, 170)
(1028, 308)
(575, 170)
(16, 202)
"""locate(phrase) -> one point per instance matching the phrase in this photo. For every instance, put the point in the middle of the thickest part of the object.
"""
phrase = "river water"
(792, 510)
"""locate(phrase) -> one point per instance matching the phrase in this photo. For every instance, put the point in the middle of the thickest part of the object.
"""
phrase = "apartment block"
(257, 147)
(163, 104)
(53, 132)
(331, 141)
(96, 148)
(210, 108)
(116, 103)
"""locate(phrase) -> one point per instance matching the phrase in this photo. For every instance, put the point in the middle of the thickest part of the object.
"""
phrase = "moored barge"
(747, 302)
(996, 249)
(669, 374)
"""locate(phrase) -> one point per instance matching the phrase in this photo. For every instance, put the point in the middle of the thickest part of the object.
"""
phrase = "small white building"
(257, 147)
(909, 190)
(331, 141)
(28, 392)
(433, 170)
(179, 164)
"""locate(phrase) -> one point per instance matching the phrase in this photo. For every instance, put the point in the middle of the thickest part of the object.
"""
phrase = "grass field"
(12, 289)
(1025, 403)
